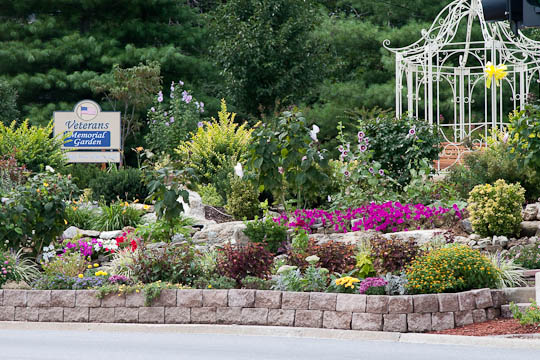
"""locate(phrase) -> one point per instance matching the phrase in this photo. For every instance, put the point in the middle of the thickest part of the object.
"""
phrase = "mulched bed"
(492, 328)
(218, 214)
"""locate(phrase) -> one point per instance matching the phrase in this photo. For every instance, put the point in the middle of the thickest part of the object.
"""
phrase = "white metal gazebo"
(438, 66)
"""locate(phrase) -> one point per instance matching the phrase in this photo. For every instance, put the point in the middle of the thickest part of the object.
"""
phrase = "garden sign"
(92, 133)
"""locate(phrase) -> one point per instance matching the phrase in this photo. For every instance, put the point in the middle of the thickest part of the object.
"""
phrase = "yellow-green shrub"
(496, 209)
(215, 149)
(451, 269)
(32, 146)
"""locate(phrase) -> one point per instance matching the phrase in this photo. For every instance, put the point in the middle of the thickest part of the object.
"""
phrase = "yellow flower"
(137, 291)
(96, 265)
(89, 266)
(65, 221)
(81, 276)
(139, 149)
(136, 201)
(45, 184)
(209, 286)
(146, 207)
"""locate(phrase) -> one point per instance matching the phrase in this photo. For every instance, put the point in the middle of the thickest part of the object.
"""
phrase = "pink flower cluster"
(371, 282)
(378, 217)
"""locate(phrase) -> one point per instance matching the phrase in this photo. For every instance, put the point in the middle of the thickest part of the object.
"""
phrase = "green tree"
(50, 50)
(130, 91)
(8, 103)
(266, 51)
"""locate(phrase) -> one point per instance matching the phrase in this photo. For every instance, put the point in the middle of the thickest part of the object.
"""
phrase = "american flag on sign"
(85, 110)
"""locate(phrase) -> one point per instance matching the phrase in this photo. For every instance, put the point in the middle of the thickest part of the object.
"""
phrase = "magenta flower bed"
(390, 216)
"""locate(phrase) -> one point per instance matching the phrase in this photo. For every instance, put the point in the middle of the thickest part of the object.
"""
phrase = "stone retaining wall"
(413, 313)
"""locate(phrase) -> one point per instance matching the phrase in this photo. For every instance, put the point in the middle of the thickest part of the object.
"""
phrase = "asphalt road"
(97, 345)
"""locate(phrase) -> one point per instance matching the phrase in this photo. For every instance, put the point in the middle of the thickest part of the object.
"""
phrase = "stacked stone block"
(408, 313)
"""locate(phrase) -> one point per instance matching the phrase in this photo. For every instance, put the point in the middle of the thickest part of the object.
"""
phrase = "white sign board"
(93, 156)
(89, 128)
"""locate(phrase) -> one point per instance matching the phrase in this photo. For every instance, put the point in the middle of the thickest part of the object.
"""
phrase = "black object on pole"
(520, 13)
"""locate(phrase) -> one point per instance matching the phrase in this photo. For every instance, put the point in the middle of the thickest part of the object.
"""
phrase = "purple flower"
(371, 282)
(166, 123)
(412, 131)
(381, 172)
(361, 135)
(172, 86)
(172, 119)
(200, 124)
(366, 140)
(371, 170)
(341, 149)
(153, 109)
(362, 148)
(280, 170)
(304, 158)
(347, 173)
(160, 97)
(180, 82)
(165, 113)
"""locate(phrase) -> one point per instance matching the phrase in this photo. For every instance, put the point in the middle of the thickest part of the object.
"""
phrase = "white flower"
(329, 198)
(285, 269)
(49, 169)
(313, 259)
(304, 158)
(238, 170)
(313, 133)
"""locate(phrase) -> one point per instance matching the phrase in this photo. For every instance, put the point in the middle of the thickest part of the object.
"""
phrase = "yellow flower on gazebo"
(497, 72)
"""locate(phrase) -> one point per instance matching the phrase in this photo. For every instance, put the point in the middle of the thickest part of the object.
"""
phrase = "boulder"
(108, 235)
(216, 234)
(529, 228)
(420, 236)
(347, 238)
(530, 212)
(70, 232)
(466, 225)
(149, 218)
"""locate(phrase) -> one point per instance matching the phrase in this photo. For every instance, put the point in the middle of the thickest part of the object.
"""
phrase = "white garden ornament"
(438, 69)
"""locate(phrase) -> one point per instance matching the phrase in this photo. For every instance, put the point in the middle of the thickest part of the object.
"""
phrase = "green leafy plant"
(164, 230)
(243, 200)
(531, 315)
(116, 216)
(300, 241)
(21, 267)
(215, 149)
(34, 212)
(313, 278)
(392, 254)
(266, 232)
(496, 161)
(239, 261)
(286, 159)
(164, 187)
(525, 131)
(118, 184)
(33, 146)
(81, 217)
(217, 282)
(253, 282)
(496, 210)
(451, 269)
(174, 263)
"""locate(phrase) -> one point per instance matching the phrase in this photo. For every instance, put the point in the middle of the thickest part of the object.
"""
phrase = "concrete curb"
(275, 331)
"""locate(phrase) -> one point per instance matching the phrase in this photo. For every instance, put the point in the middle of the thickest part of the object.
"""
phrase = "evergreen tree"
(50, 50)
(265, 51)
(8, 103)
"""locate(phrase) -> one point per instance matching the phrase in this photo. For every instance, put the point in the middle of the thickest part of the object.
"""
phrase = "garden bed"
(407, 313)
(494, 327)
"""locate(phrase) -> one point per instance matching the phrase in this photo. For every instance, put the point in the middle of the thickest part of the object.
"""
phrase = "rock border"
(407, 313)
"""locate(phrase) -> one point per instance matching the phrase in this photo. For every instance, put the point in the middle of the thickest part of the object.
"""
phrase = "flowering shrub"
(496, 209)
(69, 264)
(170, 122)
(34, 212)
(400, 144)
(451, 269)
(389, 216)
(335, 256)
(239, 261)
(391, 255)
(6, 269)
(287, 159)
(373, 286)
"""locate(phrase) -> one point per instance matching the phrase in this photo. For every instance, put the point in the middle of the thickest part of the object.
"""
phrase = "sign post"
(94, 135)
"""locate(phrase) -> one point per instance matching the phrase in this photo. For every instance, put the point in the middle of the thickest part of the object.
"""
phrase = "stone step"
(520, 294)
(507, 314)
